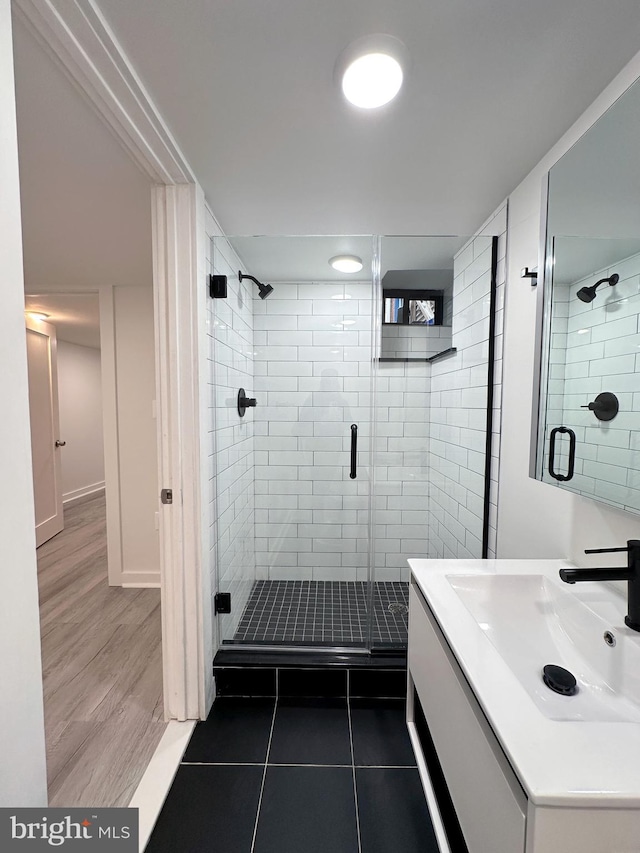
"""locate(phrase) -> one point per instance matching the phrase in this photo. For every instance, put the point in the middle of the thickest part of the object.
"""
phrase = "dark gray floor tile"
(245, 681)
(311, 731)
(378, 682)
(380, 736)
(307, 810)
(312, 682)
(393, 812)
(236, 730)
(209, 808)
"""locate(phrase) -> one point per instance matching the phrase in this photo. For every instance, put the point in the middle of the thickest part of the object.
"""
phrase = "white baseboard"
(141, 580)
(154, 786)
(84, 492)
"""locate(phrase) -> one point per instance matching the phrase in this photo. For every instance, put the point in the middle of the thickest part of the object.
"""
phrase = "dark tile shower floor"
(324, 613)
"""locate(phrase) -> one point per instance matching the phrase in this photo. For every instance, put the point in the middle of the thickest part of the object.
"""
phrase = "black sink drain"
(559, 679)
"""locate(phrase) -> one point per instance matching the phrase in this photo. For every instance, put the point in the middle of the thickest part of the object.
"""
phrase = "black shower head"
(264, 289)
(588, 294)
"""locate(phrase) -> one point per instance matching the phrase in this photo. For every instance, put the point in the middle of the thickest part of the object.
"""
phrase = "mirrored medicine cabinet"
(586, 435)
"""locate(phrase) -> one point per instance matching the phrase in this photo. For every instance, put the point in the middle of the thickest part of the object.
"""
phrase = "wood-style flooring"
(102, 667)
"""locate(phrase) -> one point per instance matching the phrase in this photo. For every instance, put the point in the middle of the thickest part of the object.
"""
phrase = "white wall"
(80, 396)
(534, 519)
(131, 473)
(23, 780)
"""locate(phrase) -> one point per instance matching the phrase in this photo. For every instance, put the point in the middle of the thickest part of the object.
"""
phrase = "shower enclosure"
(369, 440)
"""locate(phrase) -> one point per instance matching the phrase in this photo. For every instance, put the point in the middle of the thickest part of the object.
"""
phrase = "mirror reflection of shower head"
(265, 289)
(588, 294)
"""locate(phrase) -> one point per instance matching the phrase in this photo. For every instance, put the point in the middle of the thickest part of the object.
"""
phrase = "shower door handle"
(354, 450)
(552, 453)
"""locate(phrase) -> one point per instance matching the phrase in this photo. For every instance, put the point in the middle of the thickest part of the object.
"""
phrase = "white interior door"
(45, 427)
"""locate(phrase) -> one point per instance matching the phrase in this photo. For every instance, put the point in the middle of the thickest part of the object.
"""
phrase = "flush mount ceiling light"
(371, 70)
(346, 263)
(38, 315)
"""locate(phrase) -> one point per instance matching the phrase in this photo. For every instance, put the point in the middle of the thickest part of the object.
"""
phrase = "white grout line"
(353, 767)
(154, 786)
(264, 775)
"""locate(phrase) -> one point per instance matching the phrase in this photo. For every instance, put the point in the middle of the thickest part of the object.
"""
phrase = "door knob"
(60, 443)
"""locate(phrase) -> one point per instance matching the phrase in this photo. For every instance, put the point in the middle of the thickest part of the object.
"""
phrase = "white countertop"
(558, 762)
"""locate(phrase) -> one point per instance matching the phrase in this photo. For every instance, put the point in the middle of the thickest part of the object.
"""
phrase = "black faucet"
(629, 573)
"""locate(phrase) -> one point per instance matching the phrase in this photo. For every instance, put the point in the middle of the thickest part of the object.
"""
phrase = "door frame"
(81, 42)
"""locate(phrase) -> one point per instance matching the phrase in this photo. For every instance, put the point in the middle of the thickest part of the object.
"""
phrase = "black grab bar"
(354, 450)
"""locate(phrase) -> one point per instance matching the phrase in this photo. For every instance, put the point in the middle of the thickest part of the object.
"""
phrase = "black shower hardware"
(245, 402)
(630, 573)
(265, 289)
(588, 294)
(354, 450)
(605, 407)
(218, 286)
(525, 272)
(563, 430)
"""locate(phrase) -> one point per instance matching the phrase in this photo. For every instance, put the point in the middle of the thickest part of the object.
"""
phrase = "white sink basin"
(532, 621)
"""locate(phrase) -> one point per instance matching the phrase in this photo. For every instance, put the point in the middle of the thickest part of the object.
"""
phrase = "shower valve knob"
(245, 402)
(605, 407)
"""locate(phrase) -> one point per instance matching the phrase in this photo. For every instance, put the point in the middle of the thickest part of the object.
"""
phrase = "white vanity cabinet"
(490, 803)
(495, 811)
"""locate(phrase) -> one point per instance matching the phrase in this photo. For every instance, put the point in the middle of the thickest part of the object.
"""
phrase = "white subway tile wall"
(401, 513)
(414, 341)
(312, 347)
(458, 413)
(232, 452)
(595, 347)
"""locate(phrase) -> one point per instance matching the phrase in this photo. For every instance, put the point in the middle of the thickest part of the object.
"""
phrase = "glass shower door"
(294, 535)
(431, 413)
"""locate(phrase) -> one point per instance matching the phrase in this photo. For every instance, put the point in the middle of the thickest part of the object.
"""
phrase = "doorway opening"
(88, 271)
(100, 624)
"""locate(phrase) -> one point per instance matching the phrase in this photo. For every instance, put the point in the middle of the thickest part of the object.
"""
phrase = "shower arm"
(608, 279)
(243, 275)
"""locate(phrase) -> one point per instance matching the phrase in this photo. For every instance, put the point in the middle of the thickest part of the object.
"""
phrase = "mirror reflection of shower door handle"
(354, 450)
(552, 453)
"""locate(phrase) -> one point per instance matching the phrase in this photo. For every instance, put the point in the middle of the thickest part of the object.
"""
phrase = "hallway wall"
(130, 437)
(80, 398)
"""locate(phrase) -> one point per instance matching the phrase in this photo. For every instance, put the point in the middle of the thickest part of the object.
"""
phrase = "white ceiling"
(76, 316)
(248, 91)
(86, 208)
(306, 258)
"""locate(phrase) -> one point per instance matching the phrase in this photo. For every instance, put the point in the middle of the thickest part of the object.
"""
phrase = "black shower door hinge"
(222, 602)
